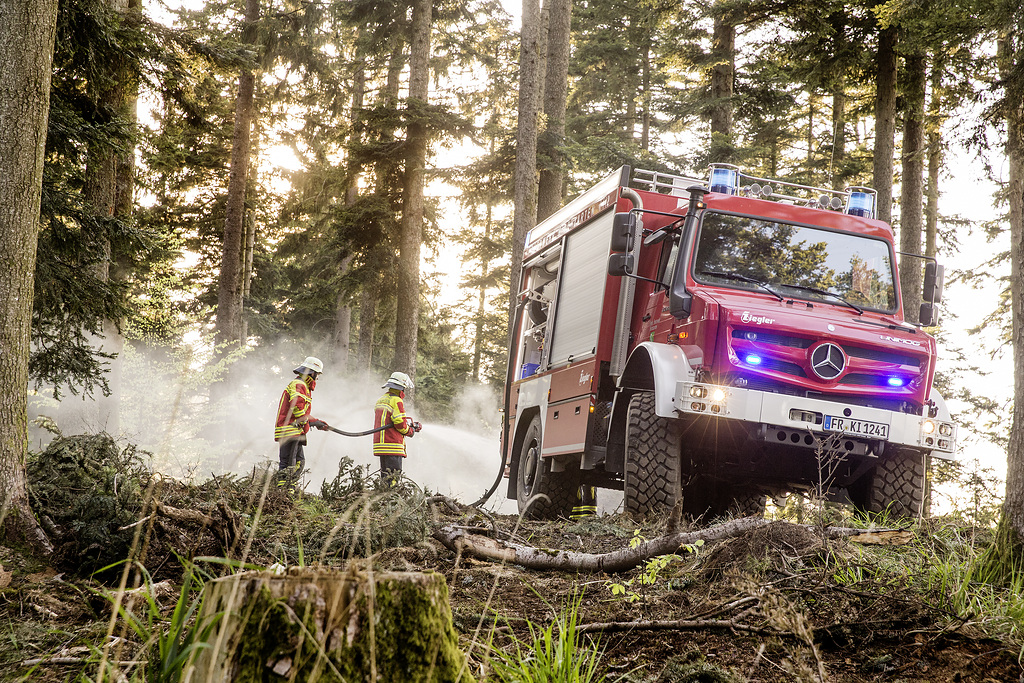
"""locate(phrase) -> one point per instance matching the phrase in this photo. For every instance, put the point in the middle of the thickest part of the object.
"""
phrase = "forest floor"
(779, 602)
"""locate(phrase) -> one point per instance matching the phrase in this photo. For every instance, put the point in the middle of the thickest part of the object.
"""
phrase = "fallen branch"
(458, 540)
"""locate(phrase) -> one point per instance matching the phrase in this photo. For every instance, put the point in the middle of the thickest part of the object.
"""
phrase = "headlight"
(928, 427)
(946, 429)
(718, 394)
(698, 392)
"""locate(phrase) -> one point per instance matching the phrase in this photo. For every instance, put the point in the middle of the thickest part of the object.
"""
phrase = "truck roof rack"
(728, 179)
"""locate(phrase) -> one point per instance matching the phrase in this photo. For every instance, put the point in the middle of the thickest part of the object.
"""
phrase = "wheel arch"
(523, 422)
(651, 367)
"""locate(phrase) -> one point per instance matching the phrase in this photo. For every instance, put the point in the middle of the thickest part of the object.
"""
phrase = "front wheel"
(653, 458)
(540, 492)
(895, 485)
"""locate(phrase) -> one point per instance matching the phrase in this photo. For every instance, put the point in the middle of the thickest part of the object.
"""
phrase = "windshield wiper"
(825, 292)
(744, 278)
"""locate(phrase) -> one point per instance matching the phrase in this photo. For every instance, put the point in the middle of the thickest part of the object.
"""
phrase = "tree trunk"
(408, 313)
(838, 139)
(810, 130)
(316, 626)
(342, 343)
(912, 187)
(229, 291)
(525, 182)
(367, 322)
(556, 87)
(935, 158)
(723, 55)
(27, 33)
(1008, 551)
(885, 121)
(481, 307)
(645, 84)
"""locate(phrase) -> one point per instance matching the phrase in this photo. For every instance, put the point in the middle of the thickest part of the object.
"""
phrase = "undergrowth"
(554, 653)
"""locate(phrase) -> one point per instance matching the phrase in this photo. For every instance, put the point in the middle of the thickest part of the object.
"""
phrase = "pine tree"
(26, 48)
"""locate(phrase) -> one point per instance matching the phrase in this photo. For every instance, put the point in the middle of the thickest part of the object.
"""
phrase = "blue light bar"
(752, 359)
(896, 382)
(861, 204)
(724, 180)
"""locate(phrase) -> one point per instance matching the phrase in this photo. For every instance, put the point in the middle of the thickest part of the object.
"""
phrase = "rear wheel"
(534, 477)
(653, 463)
(895, 486)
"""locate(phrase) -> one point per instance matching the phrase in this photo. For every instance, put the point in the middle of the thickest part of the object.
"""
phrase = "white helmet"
(309, 365)
(398, 380)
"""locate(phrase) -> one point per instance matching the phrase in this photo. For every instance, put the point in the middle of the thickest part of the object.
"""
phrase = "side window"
(669, 254)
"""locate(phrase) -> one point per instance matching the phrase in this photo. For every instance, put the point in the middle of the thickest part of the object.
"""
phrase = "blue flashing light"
(861, 204)
(724, 180)
(896, 382)
(752, 359)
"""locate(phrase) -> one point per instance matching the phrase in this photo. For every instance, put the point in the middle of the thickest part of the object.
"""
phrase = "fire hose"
(509, 374)
(415, 425)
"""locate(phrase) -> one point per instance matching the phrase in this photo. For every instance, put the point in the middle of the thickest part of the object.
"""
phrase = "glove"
(319, 424)
(416, 426)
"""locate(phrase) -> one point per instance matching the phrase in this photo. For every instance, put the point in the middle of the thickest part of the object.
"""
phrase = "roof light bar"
(724, 178)
(861, 202)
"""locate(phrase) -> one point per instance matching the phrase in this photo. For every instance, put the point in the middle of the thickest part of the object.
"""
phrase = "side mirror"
(621, 264)
(934, 274)
(929, 314)
(623, 231)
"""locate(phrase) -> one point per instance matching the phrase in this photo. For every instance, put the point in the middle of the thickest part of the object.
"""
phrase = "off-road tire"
(896, 486)
(534, 476)
(653, 473)
(746, 503)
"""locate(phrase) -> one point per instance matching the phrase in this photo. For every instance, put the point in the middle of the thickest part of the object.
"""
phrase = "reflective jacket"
(293, 411)
(390, 410)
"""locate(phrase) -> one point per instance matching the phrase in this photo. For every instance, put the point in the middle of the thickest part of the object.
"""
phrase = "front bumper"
(810, 415)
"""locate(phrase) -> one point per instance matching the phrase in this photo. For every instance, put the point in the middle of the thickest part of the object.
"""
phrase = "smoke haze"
(174, 405)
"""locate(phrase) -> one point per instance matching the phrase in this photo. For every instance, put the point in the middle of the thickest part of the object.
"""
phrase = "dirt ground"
(774, 604)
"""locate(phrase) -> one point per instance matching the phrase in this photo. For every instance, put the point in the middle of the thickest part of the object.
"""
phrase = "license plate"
(874, 430)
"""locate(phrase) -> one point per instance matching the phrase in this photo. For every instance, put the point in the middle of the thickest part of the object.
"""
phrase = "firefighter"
(294, 421)
(389, 444)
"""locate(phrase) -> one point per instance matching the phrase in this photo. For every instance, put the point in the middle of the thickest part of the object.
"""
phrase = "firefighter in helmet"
(389, 443)
(294, 421)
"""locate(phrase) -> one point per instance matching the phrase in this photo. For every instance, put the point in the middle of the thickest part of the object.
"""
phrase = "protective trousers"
(391, 468)
(291, 460)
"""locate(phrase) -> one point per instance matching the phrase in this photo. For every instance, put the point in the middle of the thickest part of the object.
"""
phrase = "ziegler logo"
(585, 377)
(759, 319)
(896, 340)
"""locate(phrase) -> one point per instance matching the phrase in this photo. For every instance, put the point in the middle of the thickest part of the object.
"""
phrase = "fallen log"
(319, 625)
(459, 540)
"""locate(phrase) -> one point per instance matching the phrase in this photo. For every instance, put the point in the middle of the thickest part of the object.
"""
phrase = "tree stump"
(324, 626)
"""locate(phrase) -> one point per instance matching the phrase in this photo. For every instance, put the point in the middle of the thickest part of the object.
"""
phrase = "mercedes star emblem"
(828, 361)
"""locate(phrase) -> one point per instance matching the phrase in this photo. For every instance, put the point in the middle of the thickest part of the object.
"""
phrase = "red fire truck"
(716, 342)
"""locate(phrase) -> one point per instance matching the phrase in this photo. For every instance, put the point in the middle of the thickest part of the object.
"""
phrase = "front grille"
(782, 366)
(882, 355)
(775, 387)
(773, 338)
(861, 380)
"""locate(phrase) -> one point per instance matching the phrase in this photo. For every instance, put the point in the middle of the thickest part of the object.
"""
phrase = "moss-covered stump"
(324, 626)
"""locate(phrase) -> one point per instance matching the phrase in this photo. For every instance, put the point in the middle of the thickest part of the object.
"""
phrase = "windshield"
(795, 260)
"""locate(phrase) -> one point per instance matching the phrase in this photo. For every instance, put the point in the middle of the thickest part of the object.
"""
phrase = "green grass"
(556, 653)
(168, 645)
